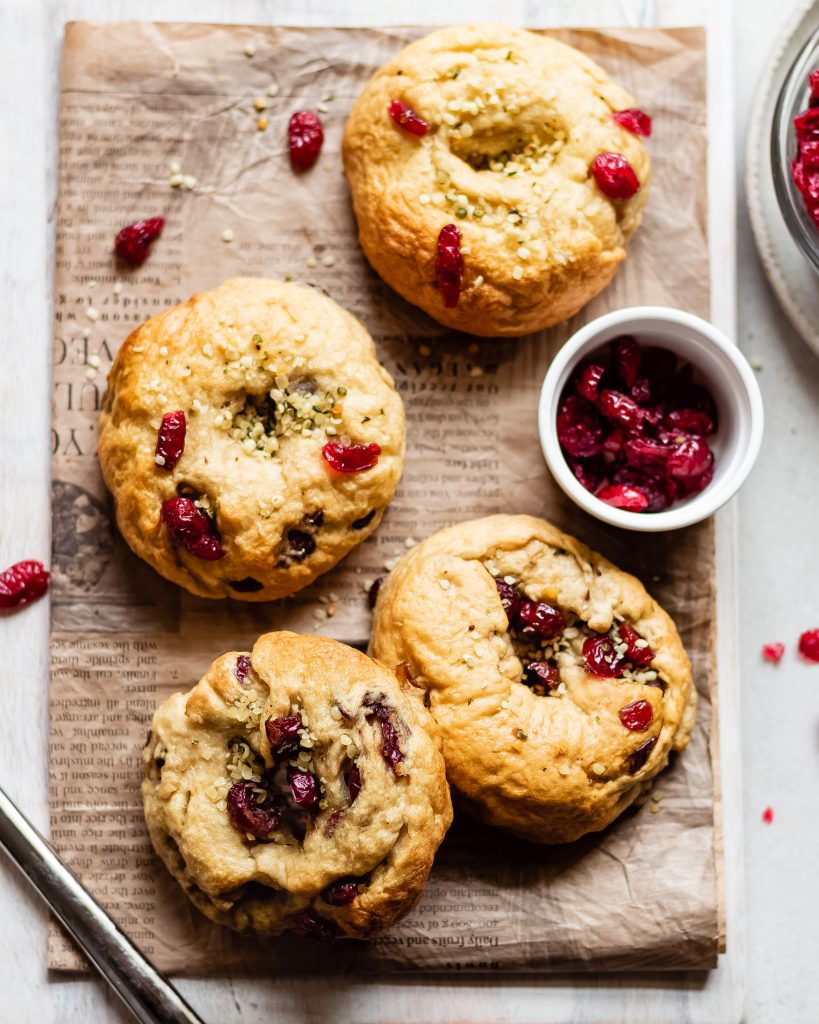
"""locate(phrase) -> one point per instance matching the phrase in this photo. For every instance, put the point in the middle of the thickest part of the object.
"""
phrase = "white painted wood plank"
(30, 36)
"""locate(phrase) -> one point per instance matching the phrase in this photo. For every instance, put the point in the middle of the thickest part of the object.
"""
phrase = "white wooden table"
(778, 569)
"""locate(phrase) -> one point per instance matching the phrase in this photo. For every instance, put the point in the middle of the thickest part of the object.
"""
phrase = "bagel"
(514, 122)
(298, 787)
(559, 685)
(230, 433)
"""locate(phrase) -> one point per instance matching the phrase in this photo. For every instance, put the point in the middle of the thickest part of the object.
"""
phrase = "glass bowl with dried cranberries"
(650, 418)
(795, 150)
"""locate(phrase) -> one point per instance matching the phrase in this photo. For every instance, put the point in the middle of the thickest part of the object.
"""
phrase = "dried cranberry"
(305, 136)
(22, 583)
(637, 716)
(601, 658)
(773, 652)
(191, 529)
(630, 499)
(449, 265)
(628, 355)
(690, 458)
(133, 243)
(614, 445)
(300, 544)
(242, 667)
(695, 484)
(372, 593)
(691, 421)
(638, 650)
(308, 925)
(540, 618)
(813, 82)
(659, 491)
(247, 814)
(658, 368)
(283, 736)
(390, 750)
(615, 176)
(510, 599)
(406, 118)
(616, 406)
(590, 472)
(809, 645)
(247, 585)
(768, 815)
(363, 521)
(342, 892)
(303, 787)
(353, 781)
(541, 675)
(579, 427)
(645, 453)
(171, 440)
(640, 755)
(588, 383)
(633, 120)
(350, 458)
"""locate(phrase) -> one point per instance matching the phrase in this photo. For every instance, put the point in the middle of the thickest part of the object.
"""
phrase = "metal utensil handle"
(148, 995)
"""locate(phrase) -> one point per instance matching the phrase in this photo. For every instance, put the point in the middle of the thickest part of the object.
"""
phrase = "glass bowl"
(794, 98)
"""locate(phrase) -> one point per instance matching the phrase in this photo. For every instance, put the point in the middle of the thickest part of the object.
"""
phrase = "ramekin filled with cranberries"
(650, 418)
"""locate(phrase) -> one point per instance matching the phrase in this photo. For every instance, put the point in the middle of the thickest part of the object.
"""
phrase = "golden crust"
(206, 357)
(546, 96)
(387, 837)
(439, 613)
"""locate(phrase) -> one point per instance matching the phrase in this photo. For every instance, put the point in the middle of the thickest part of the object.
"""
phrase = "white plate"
(791, 276)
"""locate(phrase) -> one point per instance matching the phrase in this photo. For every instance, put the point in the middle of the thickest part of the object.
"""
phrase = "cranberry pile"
(805, 165)
(633, 425)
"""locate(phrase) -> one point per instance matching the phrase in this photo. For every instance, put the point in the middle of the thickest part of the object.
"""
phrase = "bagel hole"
(508, 151)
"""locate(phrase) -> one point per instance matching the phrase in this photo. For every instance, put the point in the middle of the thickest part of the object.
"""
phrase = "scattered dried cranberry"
(300, 544)
(390, 750)
(303, 787)
(540, 618)
(354, 782)
(615, 176)
(637, 716)
(350, 458)
(305, 136)
(768, 815)
(283, 736)
(601, 657)
(171, 440)
(247, 814)
(242, 667)
(22, 583)
(640, 755)
(406, 118)
(449, 265)
(133, 243)
(637, 650)
(342, 892)
(541, 676)
(372, 592)
(630, 499)
(579, 427)
(633, 120)
(809, 645)
(308, 925)
(773, 652)
(191, 529)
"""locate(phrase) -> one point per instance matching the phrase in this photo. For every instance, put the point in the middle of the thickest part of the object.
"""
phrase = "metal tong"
(148, 994)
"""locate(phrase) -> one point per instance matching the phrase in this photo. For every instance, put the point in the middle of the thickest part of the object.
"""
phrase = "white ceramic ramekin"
(717, 363)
